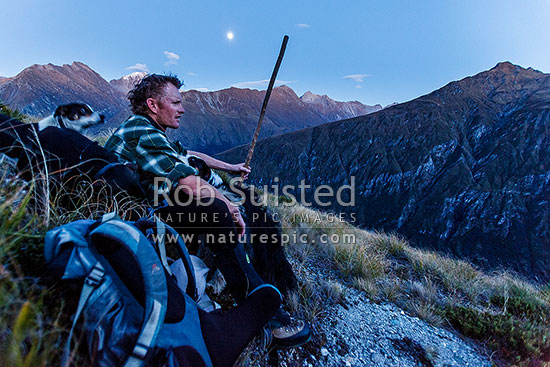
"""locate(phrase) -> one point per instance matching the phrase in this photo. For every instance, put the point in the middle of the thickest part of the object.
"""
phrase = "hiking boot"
(287, 332)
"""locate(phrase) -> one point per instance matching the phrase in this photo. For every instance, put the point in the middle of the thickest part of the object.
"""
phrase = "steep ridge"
(464, 169)
(4, 80)
(39, 89)
(216, 121)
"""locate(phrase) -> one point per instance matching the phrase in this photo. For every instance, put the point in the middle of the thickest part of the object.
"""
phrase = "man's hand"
(213, 163)
(238, 219)
(238, 169)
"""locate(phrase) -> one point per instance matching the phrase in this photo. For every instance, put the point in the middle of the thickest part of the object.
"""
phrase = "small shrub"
(523, 308)
(517, 341)
(4, 109)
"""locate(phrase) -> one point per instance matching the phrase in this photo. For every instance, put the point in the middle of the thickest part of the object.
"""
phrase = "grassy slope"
(510, 315)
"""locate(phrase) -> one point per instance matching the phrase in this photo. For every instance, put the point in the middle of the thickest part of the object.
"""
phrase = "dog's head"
(77, 116)
(205, 172)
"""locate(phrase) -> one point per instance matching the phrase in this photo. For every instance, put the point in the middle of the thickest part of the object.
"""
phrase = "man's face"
(167, 109)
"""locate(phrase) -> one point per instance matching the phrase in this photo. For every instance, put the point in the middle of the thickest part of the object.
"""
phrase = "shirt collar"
(152, 122)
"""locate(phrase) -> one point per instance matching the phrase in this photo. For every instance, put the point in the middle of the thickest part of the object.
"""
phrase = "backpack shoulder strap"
(94, 278)
(153, 277)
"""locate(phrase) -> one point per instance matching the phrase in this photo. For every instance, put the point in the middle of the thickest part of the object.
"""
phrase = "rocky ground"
(364, 333)
(355, 331)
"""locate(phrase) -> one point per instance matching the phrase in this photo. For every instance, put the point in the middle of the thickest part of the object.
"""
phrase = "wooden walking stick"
(266, 99)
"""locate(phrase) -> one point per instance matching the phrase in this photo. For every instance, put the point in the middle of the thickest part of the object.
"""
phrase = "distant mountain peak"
(135, 75)
(78, 64)
(286, 91)
(75, 67)
(309, 97)
(506, 66)
(284, 87)
(127, 82)
(337, 110)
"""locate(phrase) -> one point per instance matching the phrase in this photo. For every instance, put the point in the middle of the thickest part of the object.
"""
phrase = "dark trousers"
(213, 224)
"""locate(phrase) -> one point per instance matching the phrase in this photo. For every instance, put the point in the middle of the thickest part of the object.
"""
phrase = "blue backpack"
(132, 311)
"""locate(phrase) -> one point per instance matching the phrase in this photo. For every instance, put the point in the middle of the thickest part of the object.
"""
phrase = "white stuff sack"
(201, 271)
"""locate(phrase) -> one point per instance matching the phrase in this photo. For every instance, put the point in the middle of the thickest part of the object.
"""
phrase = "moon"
(230, 35)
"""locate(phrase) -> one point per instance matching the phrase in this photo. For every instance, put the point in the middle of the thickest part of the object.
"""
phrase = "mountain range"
(464, 170)
(214, 121)
(39, 89)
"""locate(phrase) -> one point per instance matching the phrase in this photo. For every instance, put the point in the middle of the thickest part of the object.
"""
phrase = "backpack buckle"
(140, 351)
(96, 276)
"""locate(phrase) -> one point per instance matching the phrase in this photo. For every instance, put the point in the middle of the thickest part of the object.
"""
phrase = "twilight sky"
(371, 51)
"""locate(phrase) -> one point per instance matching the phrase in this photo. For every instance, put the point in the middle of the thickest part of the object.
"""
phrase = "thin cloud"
(303, 25)
(358, 86)
(138, 67)
(172, 58)
(191, 74)
(261, 83)
(358, 78)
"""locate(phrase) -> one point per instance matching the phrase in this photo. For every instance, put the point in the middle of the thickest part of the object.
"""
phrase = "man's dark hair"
(150, 87)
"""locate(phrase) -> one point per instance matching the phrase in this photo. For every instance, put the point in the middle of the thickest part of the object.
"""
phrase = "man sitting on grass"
(157, 105)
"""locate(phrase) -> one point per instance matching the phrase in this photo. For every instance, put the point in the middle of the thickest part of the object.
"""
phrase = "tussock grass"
(28, 336)
(499, 309)
(33, 323)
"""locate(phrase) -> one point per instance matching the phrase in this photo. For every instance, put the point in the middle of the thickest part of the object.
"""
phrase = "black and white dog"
(69, 157)
(204, 171)
(56, 145)
(74, 116)
(16, 135)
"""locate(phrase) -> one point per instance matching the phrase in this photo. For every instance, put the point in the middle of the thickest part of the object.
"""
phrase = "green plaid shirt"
(140, 140)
